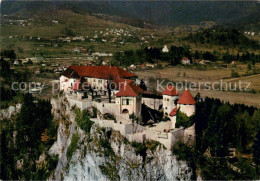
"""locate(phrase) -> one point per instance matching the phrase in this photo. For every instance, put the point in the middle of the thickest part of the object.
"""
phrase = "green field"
(88, 26)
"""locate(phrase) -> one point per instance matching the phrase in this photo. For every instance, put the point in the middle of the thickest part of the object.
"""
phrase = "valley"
(129, 90)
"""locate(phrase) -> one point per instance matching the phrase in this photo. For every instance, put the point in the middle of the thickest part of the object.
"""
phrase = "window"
(127, 101)
(167, 99)
(100, 81)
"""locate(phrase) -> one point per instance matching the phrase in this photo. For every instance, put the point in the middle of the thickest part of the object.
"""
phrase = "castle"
(121, 102)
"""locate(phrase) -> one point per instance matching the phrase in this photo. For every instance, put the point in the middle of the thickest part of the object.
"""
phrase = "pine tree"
(256, 151)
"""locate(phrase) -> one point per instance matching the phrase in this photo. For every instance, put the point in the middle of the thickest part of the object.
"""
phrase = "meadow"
(190, 74)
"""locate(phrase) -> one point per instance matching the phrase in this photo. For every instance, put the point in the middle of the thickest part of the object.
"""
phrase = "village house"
(165, 49)
(55, 21)
(203, 62)
(113, 91)
(185, 60)
(102, 54)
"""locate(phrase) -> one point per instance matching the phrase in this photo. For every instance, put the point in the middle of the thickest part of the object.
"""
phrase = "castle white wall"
(124, 129)
(138, 137)
(168, 103)
(66, 85)
(173, 121)
(162, 137)
(80, 104)
(161, 126)
(99, 84)
(140, 134)
(187, 109)
(134, 107)
(105, 107)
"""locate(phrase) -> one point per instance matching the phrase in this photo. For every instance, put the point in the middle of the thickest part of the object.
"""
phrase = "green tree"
(83, 120)
(256, 151)
(249, 67)
(68, 32)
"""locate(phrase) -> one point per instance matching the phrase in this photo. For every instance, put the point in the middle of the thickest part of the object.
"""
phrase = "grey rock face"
(117, 160)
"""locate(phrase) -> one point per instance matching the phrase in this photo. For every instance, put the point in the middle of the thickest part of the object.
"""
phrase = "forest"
(21, 135)
(7, 95)
(223, 36)
(221, 126)
(24, 138)
(151, 55)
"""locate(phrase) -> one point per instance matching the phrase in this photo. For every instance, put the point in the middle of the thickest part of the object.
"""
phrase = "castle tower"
(186, 103)
(129, 98)
(170, 95)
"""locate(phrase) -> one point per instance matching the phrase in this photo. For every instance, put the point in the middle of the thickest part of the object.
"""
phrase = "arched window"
(125, 111)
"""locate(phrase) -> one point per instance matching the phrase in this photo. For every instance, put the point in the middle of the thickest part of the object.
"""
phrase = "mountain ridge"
(167, 13)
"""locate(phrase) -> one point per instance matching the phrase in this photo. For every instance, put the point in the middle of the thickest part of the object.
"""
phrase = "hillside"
(222, 36)
(46, 22)
(38, 34)
(161, 13)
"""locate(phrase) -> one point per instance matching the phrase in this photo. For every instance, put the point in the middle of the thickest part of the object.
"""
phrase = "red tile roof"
(102, 72)
(170, 91)
(186, 98)
(185, 58)
(129, 88)
(173, 112)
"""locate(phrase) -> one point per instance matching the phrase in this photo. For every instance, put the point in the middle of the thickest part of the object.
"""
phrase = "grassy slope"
(83, 24)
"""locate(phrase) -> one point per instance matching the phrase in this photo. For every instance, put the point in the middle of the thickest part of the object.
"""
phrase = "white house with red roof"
(129, 98)
(96, 76)
(185, 60)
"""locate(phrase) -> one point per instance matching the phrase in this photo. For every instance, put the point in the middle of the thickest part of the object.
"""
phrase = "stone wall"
(80, 104)
(124, 129)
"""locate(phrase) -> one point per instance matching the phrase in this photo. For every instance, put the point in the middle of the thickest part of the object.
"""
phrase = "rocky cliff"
(10, 111)
(104, 154)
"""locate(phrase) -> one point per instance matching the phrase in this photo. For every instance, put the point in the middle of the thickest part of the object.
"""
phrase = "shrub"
(152, 145)
(110, 171)
(109, 116)
(140, 149)
(73, 145)
(183, 120)
(108, 151)
(83, 120)
(234, 74)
